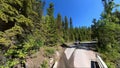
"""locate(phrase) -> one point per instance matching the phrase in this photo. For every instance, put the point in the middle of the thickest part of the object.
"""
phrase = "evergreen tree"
(59, 27)
(71, 35)
(50, 10)
(106, 30)
(14, 25)
(66, 23)
(66, 29)
(94, 29)
(71, 24)
(52, 29)
(59, 23)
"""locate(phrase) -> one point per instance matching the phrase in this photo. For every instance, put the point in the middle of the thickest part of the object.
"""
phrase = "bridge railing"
(101, 63)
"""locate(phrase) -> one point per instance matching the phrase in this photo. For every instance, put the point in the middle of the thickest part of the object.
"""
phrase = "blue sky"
(81, 11)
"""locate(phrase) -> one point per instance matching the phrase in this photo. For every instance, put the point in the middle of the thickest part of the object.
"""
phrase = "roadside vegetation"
(24, 30)
(44, 64)
(107, 32)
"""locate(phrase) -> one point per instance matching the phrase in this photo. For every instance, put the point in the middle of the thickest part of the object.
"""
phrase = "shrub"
(49, 51)
(44, 64)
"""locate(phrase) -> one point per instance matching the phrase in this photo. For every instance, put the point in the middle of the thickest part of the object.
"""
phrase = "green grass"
(49, 51)
(44, 64)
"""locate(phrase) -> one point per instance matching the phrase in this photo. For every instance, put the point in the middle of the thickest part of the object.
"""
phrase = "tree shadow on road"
(84, 46)
(64, 45)
(87, 46)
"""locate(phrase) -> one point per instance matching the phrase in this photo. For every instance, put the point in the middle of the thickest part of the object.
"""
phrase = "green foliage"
(66, 36)
(111, 65)
(50, 10)
(44, 64)
(16, 31)
(50, 32)
(107, 30)
(24, 29)
(49, 51)
(72, 34)
(59, 28)
(50, 28)
(82, 33)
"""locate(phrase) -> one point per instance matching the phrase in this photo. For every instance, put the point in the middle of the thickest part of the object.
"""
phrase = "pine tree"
(59, 27)
(50, 10)
(71, 24)
(15, 27)
(52, 29)
(66, 29)
(71, 35)
(66, 23)
(59, 23)
(94, 29)
(106, 30)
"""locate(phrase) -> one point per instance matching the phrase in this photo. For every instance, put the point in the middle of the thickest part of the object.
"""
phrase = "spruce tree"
(16, 26)
(71, 35)
(59, 27)
(66, 29)
(106, 30)
(52, 29)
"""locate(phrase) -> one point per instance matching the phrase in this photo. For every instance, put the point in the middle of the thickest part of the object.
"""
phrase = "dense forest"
(24, 29)
(107, 31)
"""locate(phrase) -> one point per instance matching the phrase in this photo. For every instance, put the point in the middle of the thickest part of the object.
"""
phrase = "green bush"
(110, 65)
(44, 64)
(49, 51)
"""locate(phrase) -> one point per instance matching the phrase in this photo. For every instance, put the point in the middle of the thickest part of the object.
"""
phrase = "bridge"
(80, 56)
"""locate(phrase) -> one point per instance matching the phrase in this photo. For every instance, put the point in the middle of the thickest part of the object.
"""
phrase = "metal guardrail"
(101, 63)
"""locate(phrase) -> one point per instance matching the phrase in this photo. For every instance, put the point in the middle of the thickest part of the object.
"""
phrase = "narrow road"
(77, 57)
(83, 58)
